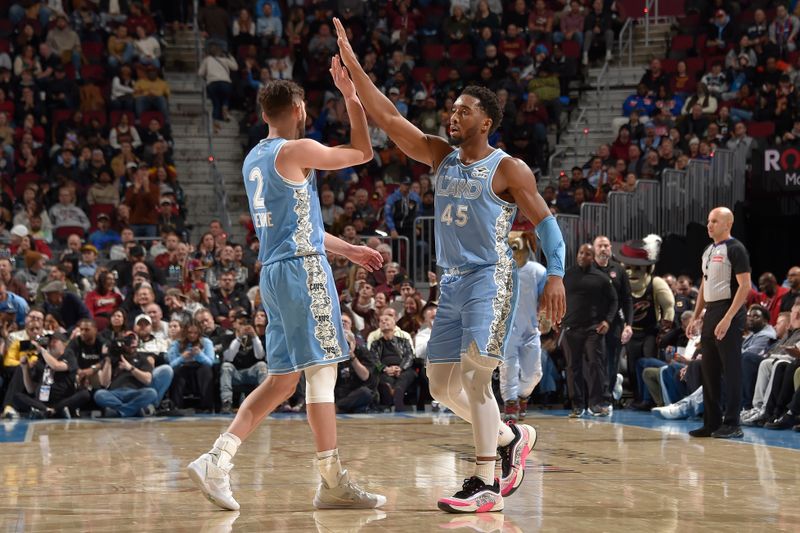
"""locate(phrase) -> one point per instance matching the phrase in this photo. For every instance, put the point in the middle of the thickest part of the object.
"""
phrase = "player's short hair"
(277, 97)
(487, 100)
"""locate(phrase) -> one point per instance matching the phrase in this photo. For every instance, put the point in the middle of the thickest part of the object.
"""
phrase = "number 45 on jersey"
(460, 217)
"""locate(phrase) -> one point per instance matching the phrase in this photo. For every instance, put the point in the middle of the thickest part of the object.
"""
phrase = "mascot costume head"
(639, 257)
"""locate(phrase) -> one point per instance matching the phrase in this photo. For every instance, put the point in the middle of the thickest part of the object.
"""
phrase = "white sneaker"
(608, 55)
(617, 392)
(213, 481)
(585, 58)
(514, 456)
(670, 412)
(346, 495)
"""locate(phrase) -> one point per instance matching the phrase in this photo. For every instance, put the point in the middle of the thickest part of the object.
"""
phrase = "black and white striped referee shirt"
(721, 262)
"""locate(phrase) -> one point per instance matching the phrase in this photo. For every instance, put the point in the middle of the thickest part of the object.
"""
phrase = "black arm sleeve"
(626, 305)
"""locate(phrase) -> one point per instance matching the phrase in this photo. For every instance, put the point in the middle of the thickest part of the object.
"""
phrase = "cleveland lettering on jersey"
(458, 187)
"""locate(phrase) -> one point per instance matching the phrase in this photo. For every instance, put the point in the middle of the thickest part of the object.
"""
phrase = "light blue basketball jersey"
(472, 223)
(532, 279)
(286, 215)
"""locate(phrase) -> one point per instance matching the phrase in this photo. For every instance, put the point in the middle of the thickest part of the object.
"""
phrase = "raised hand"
(346, 52)
(341, 78)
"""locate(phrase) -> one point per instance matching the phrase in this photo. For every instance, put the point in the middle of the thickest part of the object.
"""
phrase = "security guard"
(723, 292)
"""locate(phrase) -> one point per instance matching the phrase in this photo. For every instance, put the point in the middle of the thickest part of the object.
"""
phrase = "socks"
(505, 435)
(329, 467)
(225, 448)
(485, 471)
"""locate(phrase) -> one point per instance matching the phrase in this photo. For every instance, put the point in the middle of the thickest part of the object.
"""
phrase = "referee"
(723, 292)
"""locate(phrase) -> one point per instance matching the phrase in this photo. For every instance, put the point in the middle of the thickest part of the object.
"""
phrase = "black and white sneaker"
(475, 496)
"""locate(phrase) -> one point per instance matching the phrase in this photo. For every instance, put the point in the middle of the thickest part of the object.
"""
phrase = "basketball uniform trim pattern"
(321, 307)
(302, 235)
(501, 303)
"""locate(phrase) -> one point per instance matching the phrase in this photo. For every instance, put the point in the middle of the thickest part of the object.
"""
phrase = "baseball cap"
(394, 90)
(54, 286)
(144, 317)
(20, 230)
(89, 248)
(103, 215)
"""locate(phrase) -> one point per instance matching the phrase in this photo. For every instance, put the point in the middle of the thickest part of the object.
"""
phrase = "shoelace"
(361, 493)
(470, 485)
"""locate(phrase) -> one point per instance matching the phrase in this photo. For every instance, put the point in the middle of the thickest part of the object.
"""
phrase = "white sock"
(485, 471)
(225, 448)
(505, 435)
(329, 467)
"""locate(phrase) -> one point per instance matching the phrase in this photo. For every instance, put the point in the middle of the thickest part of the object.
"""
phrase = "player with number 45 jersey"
(478, 190)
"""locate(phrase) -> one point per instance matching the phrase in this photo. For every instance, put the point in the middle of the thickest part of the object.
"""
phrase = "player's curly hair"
(278, 96)
(488, 102)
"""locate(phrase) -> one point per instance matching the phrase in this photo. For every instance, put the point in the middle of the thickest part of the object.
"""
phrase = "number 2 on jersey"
(461, 217)
(258, 197)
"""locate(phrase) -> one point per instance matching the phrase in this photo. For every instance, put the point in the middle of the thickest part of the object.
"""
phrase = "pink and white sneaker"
(514, 456)
(475, 496)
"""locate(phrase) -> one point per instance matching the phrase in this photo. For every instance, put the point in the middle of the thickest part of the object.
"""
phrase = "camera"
(25, 346)
(122, 346)
(43, 340)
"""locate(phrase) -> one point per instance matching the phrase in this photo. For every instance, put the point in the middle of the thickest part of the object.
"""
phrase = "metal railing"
(400, 249)
(602, 86)
(663, 207)
(216, 177)
(424, 246)
(626, 32)
(550, 160)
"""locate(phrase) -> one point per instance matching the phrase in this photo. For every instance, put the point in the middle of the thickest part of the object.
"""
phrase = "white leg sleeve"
(444, 380)
(476, 378)
(320, 381)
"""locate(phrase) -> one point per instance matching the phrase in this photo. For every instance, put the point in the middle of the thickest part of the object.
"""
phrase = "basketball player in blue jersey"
(305, 331)
(478, 190)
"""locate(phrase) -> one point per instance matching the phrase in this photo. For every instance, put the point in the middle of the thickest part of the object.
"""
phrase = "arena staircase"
(604, 92)
(192, 149)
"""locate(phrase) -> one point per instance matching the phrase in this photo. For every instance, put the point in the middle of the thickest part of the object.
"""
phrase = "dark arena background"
(124, 227)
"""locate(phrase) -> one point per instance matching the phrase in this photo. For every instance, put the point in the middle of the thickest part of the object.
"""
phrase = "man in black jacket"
(227, 298)
(620, 330)
(596, 24)
(591, 306)
(394, 358)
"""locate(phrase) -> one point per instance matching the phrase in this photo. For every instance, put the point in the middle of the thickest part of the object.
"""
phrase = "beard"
(454, 141)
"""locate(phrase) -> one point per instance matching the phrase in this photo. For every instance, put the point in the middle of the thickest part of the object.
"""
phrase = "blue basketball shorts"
(474, 306)
(305, 322)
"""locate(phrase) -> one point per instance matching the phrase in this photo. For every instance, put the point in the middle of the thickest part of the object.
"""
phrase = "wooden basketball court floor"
(631, 473)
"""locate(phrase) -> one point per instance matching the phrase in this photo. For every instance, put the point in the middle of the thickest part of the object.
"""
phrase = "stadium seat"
(418, 73)
(571, 49)
(22, 180)
(432, 54)
(60, 115)
(680, 46)
(93, 72)
(96, 209)
(6, 28)
(670, 66)
(93, 51)
(99, 115)
(64, 232)
(115, 117)
(460, 52)
(147, 116)
(5, 46)
(694, 65)
(760, 130)
(441, 74)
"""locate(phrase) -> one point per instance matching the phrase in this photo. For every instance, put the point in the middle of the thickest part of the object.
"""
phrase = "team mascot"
(653, 303)
(521, 370)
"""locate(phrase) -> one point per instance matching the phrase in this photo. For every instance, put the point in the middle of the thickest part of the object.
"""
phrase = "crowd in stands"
(729, 81)
(107, 303)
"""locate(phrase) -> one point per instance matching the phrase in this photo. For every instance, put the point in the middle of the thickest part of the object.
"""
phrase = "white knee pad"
(444, 380)
(320, 381)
